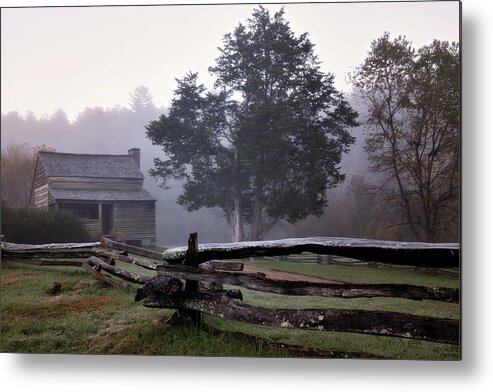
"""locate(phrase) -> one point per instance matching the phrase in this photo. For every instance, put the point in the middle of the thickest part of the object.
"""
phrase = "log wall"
(93, 227)
(134, 220)
(39, 192)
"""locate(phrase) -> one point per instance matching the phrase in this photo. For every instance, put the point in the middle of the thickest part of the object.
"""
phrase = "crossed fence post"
(192, 286)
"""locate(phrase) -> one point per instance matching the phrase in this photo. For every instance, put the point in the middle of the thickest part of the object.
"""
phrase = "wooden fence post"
(192, 286)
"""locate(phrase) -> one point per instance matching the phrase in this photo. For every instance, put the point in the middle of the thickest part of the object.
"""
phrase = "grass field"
(108, 321)
(363, 274)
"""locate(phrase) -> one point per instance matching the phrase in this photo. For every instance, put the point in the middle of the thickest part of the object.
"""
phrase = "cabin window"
(85, 211)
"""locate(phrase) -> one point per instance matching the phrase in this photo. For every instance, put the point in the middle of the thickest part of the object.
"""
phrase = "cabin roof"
(100, 195)
(89, 165)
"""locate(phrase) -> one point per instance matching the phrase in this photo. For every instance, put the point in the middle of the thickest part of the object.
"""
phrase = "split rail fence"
(190, 279)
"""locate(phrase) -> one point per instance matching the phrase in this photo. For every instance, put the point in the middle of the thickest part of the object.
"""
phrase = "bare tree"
(18, 162)
(413, 100)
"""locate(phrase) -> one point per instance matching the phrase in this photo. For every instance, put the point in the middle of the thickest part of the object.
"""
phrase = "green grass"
(108, 321)
(420, 308)
(99, 321)
(362, 274)
(351, 342)
(135, 268)
(348, 342)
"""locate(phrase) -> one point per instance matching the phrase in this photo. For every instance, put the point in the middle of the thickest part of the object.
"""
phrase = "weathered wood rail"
(287, 287)
(179, 267)
(33, 254)
(190, 280)
(130, 249)
(11, 247)
(437, 255)
(382, 323)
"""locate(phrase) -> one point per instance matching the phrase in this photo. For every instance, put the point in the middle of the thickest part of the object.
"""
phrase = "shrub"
(32, 226)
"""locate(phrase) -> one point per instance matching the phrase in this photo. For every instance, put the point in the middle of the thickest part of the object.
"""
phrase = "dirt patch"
(284, 275)
(61, 306)
(112, 328)
(12, 280)
(87, 283)
(112, 336)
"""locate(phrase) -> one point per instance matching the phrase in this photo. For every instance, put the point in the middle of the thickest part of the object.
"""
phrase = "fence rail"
(157, 294)
(381, 323)
(437, 255)
(260, 282)
(190, 280)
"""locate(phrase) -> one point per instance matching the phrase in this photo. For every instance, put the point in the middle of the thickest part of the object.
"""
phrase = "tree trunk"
(238, 232)
(253, 234)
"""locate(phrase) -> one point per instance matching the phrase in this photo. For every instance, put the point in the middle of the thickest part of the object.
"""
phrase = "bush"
(31, 226)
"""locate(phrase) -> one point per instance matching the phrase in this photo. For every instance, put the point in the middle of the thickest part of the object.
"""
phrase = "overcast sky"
(72, 58)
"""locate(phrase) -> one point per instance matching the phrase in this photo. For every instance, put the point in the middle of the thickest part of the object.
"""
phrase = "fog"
(115, 130)
(81, 60)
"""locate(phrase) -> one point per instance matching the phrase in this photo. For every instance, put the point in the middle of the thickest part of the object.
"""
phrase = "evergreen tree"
(266, 144)
(141, 99)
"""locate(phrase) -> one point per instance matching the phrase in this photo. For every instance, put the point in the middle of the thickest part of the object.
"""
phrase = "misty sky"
(72, 58)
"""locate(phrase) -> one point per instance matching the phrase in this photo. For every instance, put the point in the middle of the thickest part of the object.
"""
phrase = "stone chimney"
(135, 154)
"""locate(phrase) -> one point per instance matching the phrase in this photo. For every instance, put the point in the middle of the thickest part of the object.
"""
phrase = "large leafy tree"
(264, 145)
(413, 101)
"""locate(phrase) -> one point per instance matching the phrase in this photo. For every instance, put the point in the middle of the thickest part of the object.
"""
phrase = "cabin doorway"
(107, 219)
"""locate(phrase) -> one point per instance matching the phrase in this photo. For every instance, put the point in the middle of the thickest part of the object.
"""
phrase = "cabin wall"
(134, 220)
(93, 227)
(39, 194)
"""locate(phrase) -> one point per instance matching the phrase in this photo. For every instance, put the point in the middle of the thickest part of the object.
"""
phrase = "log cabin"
(105, 191)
